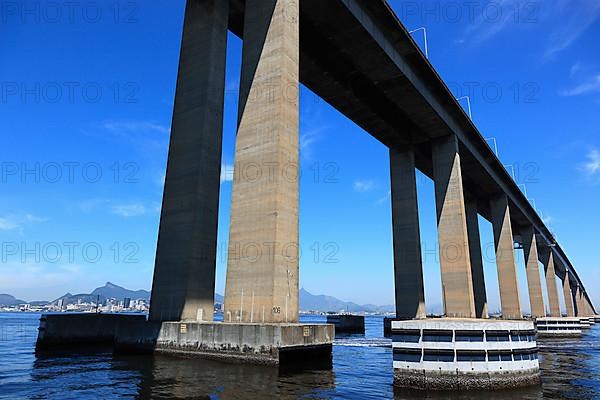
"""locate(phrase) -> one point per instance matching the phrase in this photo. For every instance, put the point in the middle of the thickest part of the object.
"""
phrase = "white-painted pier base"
(465, 354)
(558, 327)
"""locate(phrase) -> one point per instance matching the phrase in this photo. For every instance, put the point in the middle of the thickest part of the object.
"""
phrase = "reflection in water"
(362, 370)
(167, 377)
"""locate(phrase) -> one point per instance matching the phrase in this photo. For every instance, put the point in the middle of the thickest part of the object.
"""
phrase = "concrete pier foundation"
(287, 345)
(267, 344)
(66, 330)
(347, 323)
(464, 354)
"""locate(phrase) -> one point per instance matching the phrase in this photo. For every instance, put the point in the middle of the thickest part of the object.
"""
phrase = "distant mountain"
(112, 291)
(8, 300)
(311, 302)
(108, 291)
(308, 301)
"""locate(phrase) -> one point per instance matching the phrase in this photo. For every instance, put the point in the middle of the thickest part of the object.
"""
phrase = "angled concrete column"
(455, 263)
(262, 264)
(479, 292)
(408, 266)
(568, 294)
(534, 283)
(579, 308)
(553, 302)
(505, 258)
(184, 272)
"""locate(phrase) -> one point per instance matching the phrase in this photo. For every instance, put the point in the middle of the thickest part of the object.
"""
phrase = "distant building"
(126, 302)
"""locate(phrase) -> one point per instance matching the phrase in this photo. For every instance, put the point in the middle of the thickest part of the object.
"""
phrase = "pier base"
(586, 323)
(267, 344)
(288, 345)
(558, 327)
(464, 354)
(347, 323)
(67, 330)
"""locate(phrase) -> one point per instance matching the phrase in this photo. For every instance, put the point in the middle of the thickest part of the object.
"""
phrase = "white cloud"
(122, 209)
(7, 225)
(590, 86)
(129, 210)
(486, 26)
(363, 186)
(575, 69)
(592, 166)
(17, 222)
(570, 22)
(135, 127)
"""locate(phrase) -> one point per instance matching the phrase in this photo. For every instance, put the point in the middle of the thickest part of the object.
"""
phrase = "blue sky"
(87, 97)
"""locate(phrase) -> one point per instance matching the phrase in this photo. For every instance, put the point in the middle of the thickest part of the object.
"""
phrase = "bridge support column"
(479, 292)
(457, 281)
(568, 293)
(184, 272)
(553, 302)
(534, 283)
(505, 258)
(408, 266)
(262, 267)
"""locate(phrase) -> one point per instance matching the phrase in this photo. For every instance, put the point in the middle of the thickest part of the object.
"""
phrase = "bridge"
(358, 57)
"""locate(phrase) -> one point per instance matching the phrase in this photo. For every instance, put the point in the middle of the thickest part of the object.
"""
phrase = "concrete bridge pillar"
(408, 266)
(262, 265)
(578, 306)
(534, 283)
(184, 273)
(457, 280)
(553, 302)
(505, 258)
(479, 292)
(568, 294)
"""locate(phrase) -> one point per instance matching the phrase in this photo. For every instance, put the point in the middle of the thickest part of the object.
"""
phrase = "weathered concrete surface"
(262, 265)
(70, 329)
(347, 323)
(267, 344)
(457, 282)
(408, 265)
(454, 381)
(553, 302)
(534, 283)
(184, 273)
(505, 258)
(479, 292)
(568, 294)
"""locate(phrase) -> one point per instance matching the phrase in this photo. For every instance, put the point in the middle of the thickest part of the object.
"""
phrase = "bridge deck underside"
(395, 95)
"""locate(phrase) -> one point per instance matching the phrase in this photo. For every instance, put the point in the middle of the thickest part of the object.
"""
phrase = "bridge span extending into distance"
(359, 58)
